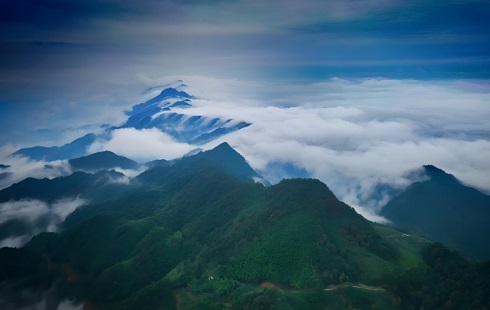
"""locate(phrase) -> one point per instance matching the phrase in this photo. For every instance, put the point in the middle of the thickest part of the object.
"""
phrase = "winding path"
(358, 285)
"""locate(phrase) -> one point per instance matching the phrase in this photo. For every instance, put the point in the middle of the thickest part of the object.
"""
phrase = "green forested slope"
(102, 161)
(207, 239)
(444, 210)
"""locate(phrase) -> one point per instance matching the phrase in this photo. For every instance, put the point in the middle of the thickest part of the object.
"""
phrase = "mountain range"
(76, 148)
(105, 160)
(163, 112)
(443, 209)
(200, 233)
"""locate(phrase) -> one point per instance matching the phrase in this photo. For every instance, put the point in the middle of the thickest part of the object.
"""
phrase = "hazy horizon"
(355, 93)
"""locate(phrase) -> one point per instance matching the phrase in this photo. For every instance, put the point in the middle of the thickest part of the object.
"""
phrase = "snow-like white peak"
(177, 84)
(167, 98)
(165, 112)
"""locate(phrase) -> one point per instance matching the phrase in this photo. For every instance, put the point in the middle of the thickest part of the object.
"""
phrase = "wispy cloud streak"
(34, 217)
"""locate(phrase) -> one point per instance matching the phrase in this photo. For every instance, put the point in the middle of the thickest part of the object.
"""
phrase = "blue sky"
(390, 84)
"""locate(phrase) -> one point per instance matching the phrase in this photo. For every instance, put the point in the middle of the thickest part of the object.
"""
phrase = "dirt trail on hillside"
(355, 285)
(177, 301)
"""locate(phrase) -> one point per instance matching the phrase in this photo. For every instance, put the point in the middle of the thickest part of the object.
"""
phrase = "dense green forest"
(102, 161)
(202, 235)
(444, 210)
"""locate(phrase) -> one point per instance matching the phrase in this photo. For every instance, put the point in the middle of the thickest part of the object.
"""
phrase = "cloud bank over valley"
(356, 135)
(21, 220)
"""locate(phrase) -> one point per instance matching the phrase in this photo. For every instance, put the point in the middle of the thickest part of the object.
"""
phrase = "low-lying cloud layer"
(354, 135)
(142, 145)
(31, 217)
(20, 168)
(62, 60)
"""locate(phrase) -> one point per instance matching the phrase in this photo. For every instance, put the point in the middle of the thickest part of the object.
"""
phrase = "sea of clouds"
(355, 135)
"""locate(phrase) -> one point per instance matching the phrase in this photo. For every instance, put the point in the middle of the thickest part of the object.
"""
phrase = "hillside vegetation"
(197, 236)
(444, 210)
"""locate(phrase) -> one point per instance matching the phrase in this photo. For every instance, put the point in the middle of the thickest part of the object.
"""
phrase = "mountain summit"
(227, 159)
(222, 159)
(105, 160)
(445, 210)
(200, 234)
(70, 150)
(164, 112)
(438, 175)
(169, 97)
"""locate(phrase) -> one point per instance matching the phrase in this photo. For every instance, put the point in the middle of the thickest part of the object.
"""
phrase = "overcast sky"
(64, 59)
(354, 80)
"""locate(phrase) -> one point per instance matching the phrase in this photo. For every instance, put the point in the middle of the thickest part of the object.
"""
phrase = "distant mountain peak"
(104, 160)
(173, 92)
(229, 159)
(222, 158)
(70, 150)
(222, 152)
(163, 112)
(177, 84)
(168, 93)
(438, 175)
(445, 210)
(158, 112)
(224, 147)
(432, 168)
(154, 105)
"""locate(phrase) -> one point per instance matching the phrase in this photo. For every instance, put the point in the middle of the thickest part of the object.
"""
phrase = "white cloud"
(142, 145)
(354, 135)
(37, 216)
(351, 134)
(14, 242)
(63, 208)
(22, 168)
(29, 210)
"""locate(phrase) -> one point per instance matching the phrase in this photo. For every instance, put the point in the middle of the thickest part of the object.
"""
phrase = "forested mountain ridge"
(78, 183)
(445, 210)
(102, 161)
(163, 112)
(201, 234)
